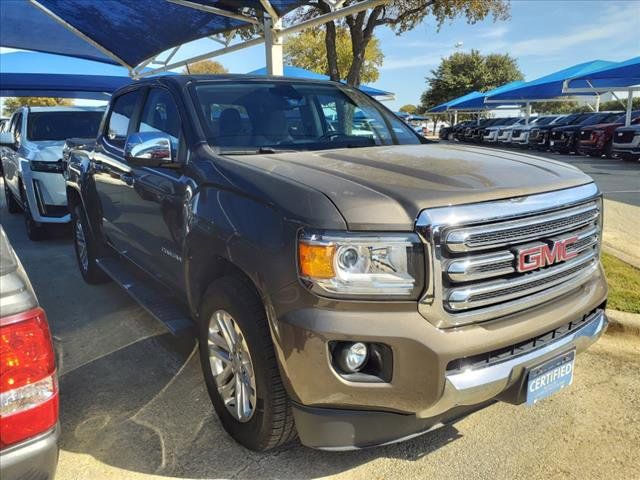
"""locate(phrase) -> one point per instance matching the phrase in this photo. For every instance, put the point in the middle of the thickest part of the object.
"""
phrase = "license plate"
(551, 143)
(550, 377)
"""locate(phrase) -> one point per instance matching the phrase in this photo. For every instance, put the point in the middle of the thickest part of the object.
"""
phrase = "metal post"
(597, 108)
(527, 113)
(627, 120)
(455, 117)
(273, 46)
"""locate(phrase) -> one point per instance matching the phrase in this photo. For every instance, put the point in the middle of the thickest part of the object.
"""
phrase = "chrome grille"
(474, 276)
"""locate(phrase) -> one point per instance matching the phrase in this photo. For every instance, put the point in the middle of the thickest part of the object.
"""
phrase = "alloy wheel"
(81, 245)
(231, 366)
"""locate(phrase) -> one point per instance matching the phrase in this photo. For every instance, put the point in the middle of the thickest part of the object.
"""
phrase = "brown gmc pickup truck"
(348, 281)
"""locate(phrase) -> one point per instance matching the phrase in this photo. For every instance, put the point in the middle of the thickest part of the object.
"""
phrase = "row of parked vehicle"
(595, 134)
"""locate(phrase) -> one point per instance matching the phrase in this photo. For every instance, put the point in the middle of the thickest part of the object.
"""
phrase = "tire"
(86, 249)
(268, 422)
(35, 231)
(608, 149)
(12, 204)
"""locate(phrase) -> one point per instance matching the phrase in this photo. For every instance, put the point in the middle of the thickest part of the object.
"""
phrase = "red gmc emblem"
(538, 256)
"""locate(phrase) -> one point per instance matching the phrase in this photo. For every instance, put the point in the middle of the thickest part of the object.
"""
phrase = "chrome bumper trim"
(479, 385)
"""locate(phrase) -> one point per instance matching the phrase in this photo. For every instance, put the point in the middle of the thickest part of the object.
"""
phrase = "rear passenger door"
(111, 174)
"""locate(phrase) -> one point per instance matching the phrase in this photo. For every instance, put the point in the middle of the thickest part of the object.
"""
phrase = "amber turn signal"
(316, 261)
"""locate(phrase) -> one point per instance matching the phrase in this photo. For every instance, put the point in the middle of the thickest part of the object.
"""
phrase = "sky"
(543, 35)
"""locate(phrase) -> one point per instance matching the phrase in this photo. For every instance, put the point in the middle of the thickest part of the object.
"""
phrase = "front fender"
(227, 230)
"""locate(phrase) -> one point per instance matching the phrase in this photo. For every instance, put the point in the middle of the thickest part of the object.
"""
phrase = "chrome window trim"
(431, 224)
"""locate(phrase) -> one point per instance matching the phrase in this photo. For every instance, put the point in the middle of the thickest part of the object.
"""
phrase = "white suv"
(32, 161)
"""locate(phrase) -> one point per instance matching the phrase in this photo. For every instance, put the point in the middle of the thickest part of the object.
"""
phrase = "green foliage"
(308, 50)
(409, 108)
(620, 105)
(624, 284)
(399, 15)
(205, 67)
(559, 107)
(11, 104)
(464, 72)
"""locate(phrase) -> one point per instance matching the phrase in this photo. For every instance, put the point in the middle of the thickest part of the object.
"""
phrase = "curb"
(623, 322)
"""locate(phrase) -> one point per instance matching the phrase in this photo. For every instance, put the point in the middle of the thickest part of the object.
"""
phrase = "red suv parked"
(597, 140)
(28, 383)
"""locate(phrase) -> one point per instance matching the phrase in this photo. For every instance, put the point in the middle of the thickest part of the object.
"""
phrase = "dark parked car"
(459, 128)
(597, 140)
(626, 142)
(540, 137)
(354, 288)
(565, 139)
(28, 383)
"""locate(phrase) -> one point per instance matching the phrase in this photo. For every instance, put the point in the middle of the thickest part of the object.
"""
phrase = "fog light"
(352, 357)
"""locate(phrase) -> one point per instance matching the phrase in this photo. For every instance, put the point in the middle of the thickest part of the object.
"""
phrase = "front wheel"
(12, 204)
(240, 368)
(86, 249)
(35, 230)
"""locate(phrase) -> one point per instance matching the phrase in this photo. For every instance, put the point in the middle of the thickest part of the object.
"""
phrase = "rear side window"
(120, 117)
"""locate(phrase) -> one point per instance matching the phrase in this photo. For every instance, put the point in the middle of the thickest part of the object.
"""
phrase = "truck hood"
(46, 151)
(387, 187)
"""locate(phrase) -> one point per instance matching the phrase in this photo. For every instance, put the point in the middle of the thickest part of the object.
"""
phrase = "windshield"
(634, 116)
(252, 116)
(58, 126)
(545, 120)
(600, 118)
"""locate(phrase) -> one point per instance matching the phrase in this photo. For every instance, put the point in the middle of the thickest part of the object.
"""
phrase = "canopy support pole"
(527, 113)
(627, 118)
(274, 46)
(455, 117)
(597, 107)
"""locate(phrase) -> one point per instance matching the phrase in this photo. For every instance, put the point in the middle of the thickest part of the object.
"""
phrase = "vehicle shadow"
(144, 409)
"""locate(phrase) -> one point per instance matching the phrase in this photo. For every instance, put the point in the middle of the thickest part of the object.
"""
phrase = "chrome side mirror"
(148, 149)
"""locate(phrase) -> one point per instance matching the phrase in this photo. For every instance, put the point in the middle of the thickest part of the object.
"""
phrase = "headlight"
(362, 265)
(52, 167)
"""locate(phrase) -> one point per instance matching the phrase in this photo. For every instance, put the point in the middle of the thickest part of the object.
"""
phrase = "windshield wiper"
(255, 151)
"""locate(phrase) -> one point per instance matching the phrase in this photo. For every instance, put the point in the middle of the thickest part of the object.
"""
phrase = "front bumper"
(424, 391)
(34, 458)
(47, 195)
(464, 392)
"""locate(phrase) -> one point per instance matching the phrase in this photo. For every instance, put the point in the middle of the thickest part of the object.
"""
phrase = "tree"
(409, 108)
(569, 106)
(11, 104)
(308, 50)
(399, 15)
(620, 105)
(205, 67)
(464, 72)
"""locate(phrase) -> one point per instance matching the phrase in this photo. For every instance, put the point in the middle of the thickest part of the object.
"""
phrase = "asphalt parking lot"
(133, 404)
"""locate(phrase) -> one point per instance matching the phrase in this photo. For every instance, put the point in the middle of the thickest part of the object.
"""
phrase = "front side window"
(160, 114)
(58, 126)
(295, 116)
(120, 117)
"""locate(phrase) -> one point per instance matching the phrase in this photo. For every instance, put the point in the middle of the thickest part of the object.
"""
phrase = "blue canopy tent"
(450, 105)
(622, 76)
(150, 33)
(477, 101)
(93, 87)
(298, 72)
(547, 87)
